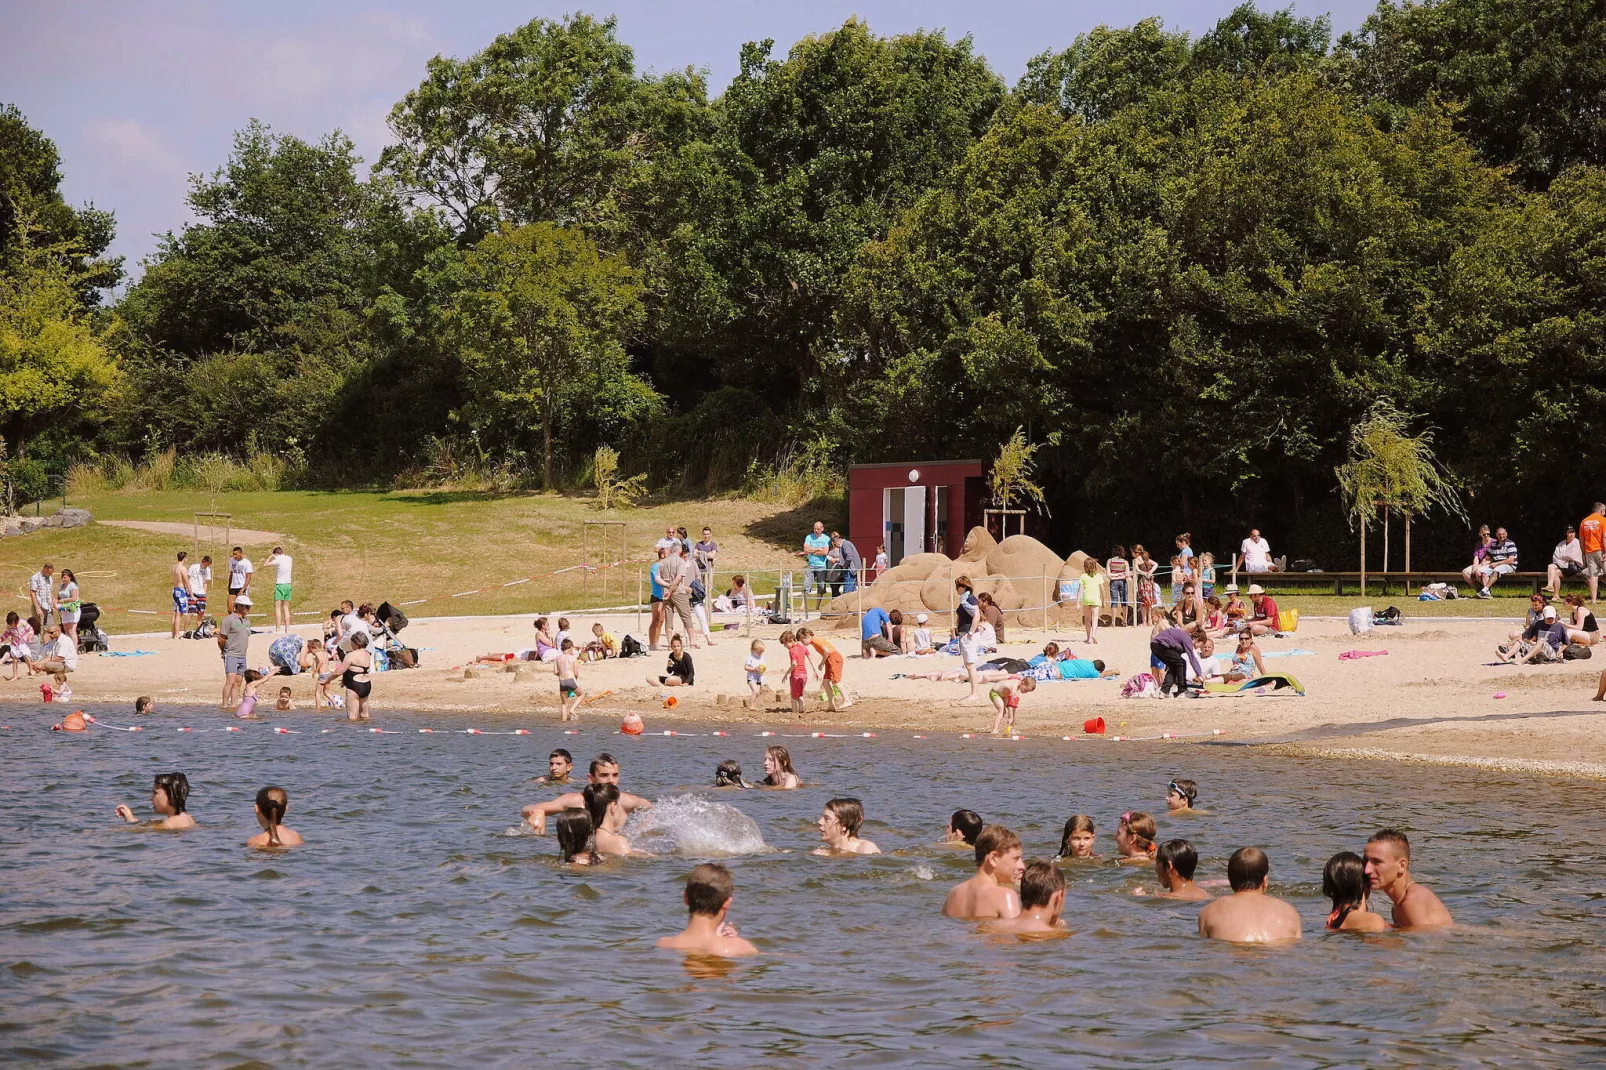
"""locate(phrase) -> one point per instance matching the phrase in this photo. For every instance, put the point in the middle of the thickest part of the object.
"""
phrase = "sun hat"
(1255, 588)
(1231, 588)
(242, 600)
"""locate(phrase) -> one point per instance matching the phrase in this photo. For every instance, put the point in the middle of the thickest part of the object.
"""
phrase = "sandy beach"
(1434, 696)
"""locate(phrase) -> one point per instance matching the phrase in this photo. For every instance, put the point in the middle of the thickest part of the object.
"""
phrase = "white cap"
(242, 600)
(1550, 612)
(921, 618)
(1255, 588)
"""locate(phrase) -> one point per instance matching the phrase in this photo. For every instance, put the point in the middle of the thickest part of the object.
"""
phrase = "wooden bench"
(1407, 582)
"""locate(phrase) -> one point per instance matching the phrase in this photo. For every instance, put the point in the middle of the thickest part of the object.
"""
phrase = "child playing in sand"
(991, 892)
(603, 645)
(286, 702)
(1076, 841)
(1042, 899)
(169, 794)
(1134, 838)
(568, 666)
(755, 667)
(830, 669)
(839, 826)
(270, 807)
(798, 657)
(144, 704)
(709, 891)
(919, 641)
(1006, 700)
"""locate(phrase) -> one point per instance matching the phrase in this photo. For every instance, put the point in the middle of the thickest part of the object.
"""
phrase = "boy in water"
(839, 826)
(1006, 700)
(558, 764)
(990, 893)
(144, 704)
(568, 668)
(604, 770)
(169, 795)
(709, 891)
(1388, 870)
(1174, 866)
(1180, 795)
(1042, 898)
(286, 701)
(1249, 915)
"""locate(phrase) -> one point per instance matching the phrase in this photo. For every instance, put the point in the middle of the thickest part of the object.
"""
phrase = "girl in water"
(1179, 797)
(353, 670)
(248, 703)
(778, 771)
(168, 795)
(1344, 881)
(1076, 841)
(728, 774)
(70, 604)
(574, 831)
(963, 828)
(271, 805)
(1134, 838)
(839, 828)
(600, 799)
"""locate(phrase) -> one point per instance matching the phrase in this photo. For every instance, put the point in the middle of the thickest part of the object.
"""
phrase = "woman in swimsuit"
(1344, 882)
(1581, 625)
(778, 771)
(1246, 663)
(353, 670)
(574, 830)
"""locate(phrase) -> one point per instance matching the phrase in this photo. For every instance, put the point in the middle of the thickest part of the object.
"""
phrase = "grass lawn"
(400, 546)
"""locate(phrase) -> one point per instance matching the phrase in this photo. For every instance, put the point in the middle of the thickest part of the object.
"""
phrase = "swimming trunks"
(833, 667)
(568, 688)
(181, 600)
(281, 592)
(798, 684)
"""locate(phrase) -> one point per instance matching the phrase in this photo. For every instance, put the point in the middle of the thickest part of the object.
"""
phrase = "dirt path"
(244, 536)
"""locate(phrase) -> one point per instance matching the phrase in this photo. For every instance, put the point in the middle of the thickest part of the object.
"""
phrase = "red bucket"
(1093, 726)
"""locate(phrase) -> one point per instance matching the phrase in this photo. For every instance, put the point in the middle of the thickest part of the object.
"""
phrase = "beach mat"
(1275, 680)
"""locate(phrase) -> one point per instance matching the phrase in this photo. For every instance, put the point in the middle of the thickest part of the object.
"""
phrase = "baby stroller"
(396, 653)
(91, 639)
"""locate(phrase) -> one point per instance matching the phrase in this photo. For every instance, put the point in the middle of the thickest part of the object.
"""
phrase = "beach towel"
(1294, 653)
(1353, 655)
(128, 653)
(1276, 681)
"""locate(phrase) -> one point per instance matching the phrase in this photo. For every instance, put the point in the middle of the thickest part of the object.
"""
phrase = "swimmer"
(1180, 795)
(1388, 869)
(271, 805)
(755, 668)
(1344, 882)
(829, 669)
(1042, 899)
(574, 837)
(728, 774)
(963, 828)
(247, 708)
(169, 794)
(778, 771)
(144, 704)
(1174, 865)
(558, 765)
(604, 770)
(1134, 838)
(1076, 841)
(1249, 915)
(568, 668)
(1006, 700)
(601, 801)
(798, 657)
(839, 827)
(991, 892)
(286, 701)
(709, 892)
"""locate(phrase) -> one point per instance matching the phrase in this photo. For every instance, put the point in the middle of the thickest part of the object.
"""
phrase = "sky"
(139, 96)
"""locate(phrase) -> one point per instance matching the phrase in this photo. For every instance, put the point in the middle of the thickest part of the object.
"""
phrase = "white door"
(914, 520)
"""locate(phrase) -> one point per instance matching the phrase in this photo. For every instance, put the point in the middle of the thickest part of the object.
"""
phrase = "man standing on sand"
(816, 545)
(1592, 535)
(181, 592)
(1249, 915)
(675, 574)
(42, 593)
(852, 562)
(240, 573)
(234, 643)
(1388, 869)
(281, 562)
(200, 578)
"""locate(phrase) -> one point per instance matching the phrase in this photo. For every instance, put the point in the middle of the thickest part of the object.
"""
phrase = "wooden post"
(1045, 604)
(1363, 553)
(1408, 547)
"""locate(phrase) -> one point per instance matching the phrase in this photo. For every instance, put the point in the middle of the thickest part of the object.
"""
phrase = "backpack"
(207, 630)
(698, 592)
(630, 647)
(1391, 615)
(1576, 652)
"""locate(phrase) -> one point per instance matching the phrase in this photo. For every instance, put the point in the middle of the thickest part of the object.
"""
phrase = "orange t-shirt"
(821, 647)
(1592, 533)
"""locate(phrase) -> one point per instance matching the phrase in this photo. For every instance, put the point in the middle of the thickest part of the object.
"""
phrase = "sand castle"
(1020, 573)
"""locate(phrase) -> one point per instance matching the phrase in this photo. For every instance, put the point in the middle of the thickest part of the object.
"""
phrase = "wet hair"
(995, 839)
(728, 774)
(601, 760)
(1079, 823)
(1140, 826)
(598, 798)
(849, 813)
(708, 888)
(561, 753)
(1039, 883)
(967, 823)
(1344, 882)
(177, 786)
(1392, 836)
(574, 830)
(1180, 856)
(143, 703)
(271, 804)
(1247, 868)
(285, 690)
(783, 762)
(1185, 788)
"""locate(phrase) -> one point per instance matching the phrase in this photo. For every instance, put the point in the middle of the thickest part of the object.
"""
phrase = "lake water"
(414, 930)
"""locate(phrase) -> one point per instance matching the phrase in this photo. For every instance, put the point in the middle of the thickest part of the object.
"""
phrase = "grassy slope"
(407, 545)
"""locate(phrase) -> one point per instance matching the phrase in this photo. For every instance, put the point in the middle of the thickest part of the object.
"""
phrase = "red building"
(913, 507)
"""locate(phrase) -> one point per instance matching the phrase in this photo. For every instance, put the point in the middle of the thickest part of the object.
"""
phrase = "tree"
(1250, 41)
(611, 489)
(30, 195)
(1011, 476)
(1395, 471)
(1106, 70)
(541, 316)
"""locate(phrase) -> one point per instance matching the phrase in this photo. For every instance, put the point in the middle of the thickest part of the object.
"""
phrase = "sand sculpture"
(1020, 573)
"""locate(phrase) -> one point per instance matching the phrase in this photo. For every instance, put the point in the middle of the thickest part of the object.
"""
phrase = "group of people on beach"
(46, 641)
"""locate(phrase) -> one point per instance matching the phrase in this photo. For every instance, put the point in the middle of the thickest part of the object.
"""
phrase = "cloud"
(132, 147)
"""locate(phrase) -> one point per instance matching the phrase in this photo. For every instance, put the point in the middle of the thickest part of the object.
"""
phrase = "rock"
(74, 518)
(30, 524)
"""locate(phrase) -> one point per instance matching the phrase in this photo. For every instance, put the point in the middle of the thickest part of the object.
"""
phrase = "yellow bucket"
(1288, 620)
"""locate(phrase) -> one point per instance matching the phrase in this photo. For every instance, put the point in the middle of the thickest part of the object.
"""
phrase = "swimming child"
(286, 701)
(963, 828)
(271, 805)
(1077, 839)
(1006, 700)
(798, 655)
(568, 667)
(755, 667)
(1344, 881)
(1174, 866)
(839, 827)
(144, 704)
(728, 774)
(1042, 899)
(169, 795)
(778, 771)
(830, 669)
(574, 831)
(248, 702)
(1179, 796)
(601, 801)
(1134, 838)
(991, 892)
(558, 764)
(709, 891)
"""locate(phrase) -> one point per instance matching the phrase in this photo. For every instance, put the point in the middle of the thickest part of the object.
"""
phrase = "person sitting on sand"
(1249, 915)
(558, 766)
(1246, 663)
(963, 828)
(271, 804)
(839, 826)
(604, 770)
(918, 639)
(1006, 700)
(678, 671)
(1542, 641)
(1265, 620)
(1174, 865)
(574, 835)
(169, 795)
(1344, 882)
(1388, 869)
(1077, 839)
(1180, 795)
(1581, 624)
(778, 771)
(728, 774)
(286, 701)
(708, 896)
(991, 892)
(1042, 899)
(602, 645)
(1233, 608)
(1134, 838)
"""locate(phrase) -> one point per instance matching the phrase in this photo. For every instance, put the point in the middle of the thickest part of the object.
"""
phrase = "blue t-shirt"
(817, 546)
(1078, 669)
(874, 621)
(652, 576)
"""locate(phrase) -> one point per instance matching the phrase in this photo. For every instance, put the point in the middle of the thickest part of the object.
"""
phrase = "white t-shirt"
(200, 576)
(282, 562)
(238, 571)
(67, 651)
(922, 638)
(754, 665)
(1211, 667)
(666, 543)
(350, 625)
(1256, 555)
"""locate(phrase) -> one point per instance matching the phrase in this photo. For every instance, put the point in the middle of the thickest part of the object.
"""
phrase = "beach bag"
(207, 630)
(1391, 615)
(1288, 620)
(405, 658)
(1360, 620)
(1143, 685)
(630, 647)
(698, 592)
(1576, 652)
